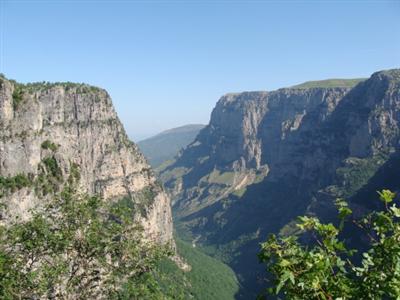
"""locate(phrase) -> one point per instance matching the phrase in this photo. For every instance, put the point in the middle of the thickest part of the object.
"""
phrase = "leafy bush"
(17, 96)
(52, 167)
(49, 145)
(14, 183)
(78, 247)
(326, 270)
(50, 176)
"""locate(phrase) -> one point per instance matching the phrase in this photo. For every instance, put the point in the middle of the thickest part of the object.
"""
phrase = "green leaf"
(395, 210)
(344, 212)
(284, 263)
(279, 287)
(386, 196)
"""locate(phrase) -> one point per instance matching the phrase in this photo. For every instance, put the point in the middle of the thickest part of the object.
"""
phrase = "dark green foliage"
(43, 186)
(44, 85)
(208, 278)
(17, 96)
(75, 174)
(326, 270)
(49, 145)
(12, 184)
(52, 167)
(78, 246)
(20, 89)
(50, 176)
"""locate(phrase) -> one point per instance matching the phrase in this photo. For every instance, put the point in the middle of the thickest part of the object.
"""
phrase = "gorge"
(267, 157)
(264, 159)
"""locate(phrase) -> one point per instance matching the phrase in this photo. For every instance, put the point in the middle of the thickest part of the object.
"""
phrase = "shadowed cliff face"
(267, 157)
(81, 126)
(248, 136)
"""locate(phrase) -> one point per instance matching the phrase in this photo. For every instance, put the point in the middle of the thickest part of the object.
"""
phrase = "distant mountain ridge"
(329, 83)
(166, 145)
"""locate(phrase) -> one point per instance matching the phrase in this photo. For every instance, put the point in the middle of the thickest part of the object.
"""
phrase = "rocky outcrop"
(267, 157)
(249, 134)
(66, 125)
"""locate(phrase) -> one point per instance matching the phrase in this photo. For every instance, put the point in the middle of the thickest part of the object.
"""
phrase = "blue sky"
(166, 63)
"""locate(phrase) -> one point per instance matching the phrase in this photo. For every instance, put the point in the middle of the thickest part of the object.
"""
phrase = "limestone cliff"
(249, 133)
(267, 157)
(63, 125)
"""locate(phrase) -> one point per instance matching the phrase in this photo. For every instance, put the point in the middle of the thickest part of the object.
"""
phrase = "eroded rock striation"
(54, 128)
(249, 134)
(267, 157)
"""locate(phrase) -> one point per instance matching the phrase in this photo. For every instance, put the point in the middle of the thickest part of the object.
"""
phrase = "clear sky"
(166, 63)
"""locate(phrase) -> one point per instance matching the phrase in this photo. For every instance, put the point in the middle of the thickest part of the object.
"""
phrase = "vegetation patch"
(326, 269)
(356, 173)
(71, 250)
(46, 182)
(50, 177)
(175, 173)
(12, 184)
(289, 229)
(52, 167)
(164, 166)
(45, 85)
(240, 192)
(329, 83)
(48, 145)
(74, 173)
(208, 278)
(227, 252)
(221, 178)
(17, 96)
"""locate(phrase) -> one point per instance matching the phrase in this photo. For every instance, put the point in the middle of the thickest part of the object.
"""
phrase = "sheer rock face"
(267, 157)
(255, 126)
(82, 122)
(289, 132)
(249, 134)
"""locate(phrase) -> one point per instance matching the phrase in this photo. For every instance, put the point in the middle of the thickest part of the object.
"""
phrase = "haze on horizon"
(166, 63)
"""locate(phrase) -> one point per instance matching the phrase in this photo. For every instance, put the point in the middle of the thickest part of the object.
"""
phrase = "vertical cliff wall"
(267, 157)
(68, 124)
